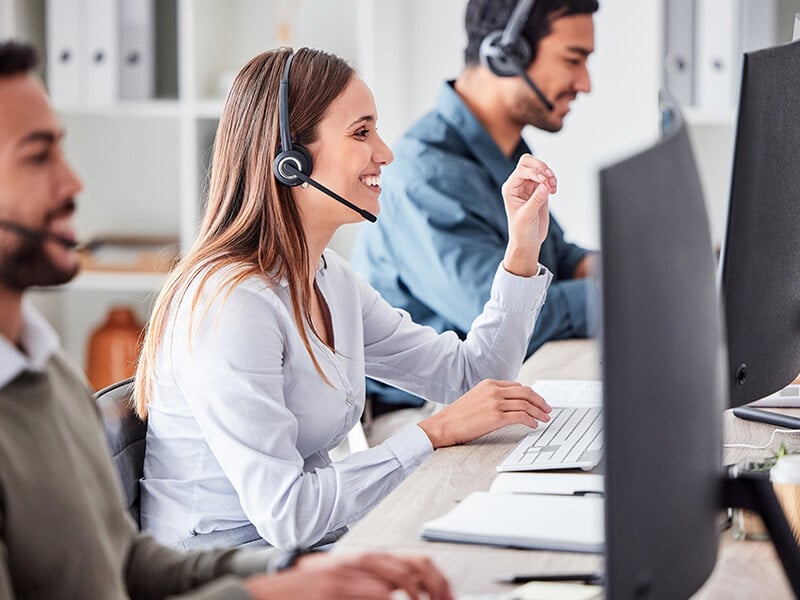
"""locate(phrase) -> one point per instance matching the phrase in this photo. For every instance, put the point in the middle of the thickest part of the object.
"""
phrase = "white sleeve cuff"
(520, 294)
(411, 446)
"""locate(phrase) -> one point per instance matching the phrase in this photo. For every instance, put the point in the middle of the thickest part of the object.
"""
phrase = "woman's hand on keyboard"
(488, 406)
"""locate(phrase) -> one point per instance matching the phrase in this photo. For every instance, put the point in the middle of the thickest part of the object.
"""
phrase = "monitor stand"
(755, 493)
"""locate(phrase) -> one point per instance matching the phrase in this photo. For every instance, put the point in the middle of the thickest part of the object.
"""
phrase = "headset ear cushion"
(508, 61)
(299, 157)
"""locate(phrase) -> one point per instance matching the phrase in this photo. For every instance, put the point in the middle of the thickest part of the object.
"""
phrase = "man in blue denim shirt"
(442, 228)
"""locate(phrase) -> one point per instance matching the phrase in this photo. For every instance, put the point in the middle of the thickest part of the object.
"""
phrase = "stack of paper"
(547, 590)
(565, 484)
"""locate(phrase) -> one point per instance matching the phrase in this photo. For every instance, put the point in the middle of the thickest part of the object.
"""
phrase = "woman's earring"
(304, 185)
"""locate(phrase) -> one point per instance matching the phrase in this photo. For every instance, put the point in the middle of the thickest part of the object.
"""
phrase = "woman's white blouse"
(240, 422)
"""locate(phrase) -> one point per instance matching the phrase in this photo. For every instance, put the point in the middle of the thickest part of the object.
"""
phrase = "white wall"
(408, 49)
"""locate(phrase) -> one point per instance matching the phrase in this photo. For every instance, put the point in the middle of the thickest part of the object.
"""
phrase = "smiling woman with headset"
(255, 356)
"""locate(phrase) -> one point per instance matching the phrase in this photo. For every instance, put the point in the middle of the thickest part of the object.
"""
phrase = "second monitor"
(760, 271)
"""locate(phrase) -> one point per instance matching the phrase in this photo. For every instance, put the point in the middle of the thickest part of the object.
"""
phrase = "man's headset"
(293, 165)
(507, 54)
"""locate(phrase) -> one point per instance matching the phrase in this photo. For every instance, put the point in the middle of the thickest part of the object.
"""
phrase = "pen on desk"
(595, 578)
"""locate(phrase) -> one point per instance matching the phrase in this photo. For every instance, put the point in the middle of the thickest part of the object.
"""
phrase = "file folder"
(679, 56)
(102, 51)
(717, 52)
(757, 30)
(64, 41)
(137, 50)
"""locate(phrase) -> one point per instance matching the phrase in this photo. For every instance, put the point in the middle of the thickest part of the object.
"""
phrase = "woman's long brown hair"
(251, 221)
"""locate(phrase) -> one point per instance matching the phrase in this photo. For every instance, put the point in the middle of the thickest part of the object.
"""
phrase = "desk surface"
(743, 569)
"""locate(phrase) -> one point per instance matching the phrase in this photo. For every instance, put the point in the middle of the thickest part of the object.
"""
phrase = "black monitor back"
(761, 252)
(663, 364)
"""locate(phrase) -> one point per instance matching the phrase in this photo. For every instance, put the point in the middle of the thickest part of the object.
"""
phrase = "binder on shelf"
(64, 40)
(102, 51)
(757, 30)
(757, 19)
(137, 49)
(6, 19)
(717, 53)
(679, 54)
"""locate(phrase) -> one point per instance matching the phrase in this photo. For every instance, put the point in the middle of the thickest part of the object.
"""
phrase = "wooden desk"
(743, 569)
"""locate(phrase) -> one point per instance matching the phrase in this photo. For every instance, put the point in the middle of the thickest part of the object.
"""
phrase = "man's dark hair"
(485, 16)
(17, 57)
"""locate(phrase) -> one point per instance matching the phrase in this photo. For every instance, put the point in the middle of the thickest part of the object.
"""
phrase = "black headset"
(292, 165)
(289, 155)
(506, 53)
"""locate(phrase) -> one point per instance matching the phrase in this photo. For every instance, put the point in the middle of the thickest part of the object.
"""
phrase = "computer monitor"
(760, 262)
(663, 389)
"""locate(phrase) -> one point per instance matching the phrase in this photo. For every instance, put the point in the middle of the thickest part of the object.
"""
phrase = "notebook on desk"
(573, 438)
(548, 511)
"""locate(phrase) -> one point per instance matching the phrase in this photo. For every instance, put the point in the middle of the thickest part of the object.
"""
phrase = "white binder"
(757, 29)
(64, 35)
(758, 20)
(6, 18)
(137, 49)
(717, 53)
(679, 56)
(102, 51)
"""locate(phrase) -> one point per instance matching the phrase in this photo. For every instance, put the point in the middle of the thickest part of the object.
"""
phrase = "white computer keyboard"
(573, 438)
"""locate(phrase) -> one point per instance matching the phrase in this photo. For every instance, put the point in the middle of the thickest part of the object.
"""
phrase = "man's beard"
(533, 112)
(28, 265)
(541, 118)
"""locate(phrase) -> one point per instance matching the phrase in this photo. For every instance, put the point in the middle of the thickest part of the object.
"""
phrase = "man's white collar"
(39, 340)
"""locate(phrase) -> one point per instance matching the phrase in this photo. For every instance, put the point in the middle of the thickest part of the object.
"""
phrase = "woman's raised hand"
(525, 194)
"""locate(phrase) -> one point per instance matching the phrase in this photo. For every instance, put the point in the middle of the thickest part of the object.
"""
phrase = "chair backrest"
(125, 433)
